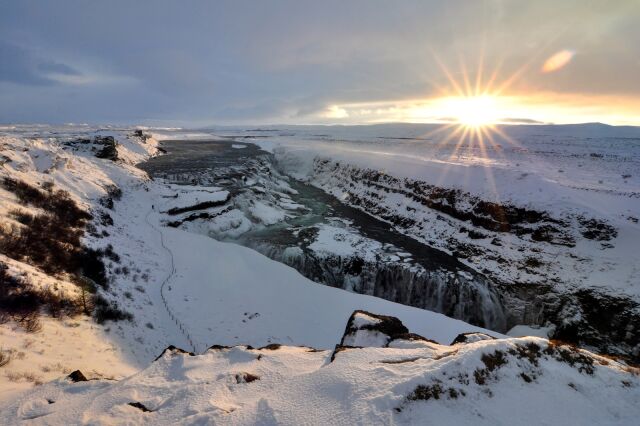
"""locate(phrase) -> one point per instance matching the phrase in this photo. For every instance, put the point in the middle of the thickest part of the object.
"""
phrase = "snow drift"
(395, 378)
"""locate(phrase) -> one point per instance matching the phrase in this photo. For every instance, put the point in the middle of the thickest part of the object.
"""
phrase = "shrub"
(52, 242)
(31, 323)
(113, 193)
(18, 300)
(89, 262)
(108, 311)
(58, 203)
(21, 302)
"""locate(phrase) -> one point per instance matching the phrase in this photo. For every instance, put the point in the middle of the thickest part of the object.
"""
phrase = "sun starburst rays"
(471, 102)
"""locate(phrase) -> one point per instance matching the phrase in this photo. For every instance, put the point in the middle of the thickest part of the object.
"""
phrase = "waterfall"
(456, 294)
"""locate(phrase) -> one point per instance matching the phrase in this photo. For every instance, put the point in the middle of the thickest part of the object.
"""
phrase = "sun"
(473, 111)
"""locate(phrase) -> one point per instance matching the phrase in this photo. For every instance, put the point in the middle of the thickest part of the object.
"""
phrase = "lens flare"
(558, 61)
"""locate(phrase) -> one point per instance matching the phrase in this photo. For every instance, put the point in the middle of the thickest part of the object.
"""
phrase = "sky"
(198, 63)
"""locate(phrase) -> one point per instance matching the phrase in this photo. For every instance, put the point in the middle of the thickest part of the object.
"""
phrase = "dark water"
(194, 155)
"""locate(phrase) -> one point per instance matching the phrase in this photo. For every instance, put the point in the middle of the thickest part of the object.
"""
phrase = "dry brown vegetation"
(50, 239)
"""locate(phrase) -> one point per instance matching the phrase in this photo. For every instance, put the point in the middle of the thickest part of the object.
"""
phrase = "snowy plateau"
(383, 274)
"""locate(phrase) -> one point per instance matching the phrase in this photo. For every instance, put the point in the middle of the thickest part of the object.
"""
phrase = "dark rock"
(109, 150)
(593, 229)
(77, 376)
(339, 348)
(271, 347)
(218, 347)
(411, 337)
(475, 235)
(246, 378)
(140, 407)
(390, 327)
(471, 338)
(200, 206)
(174, 350)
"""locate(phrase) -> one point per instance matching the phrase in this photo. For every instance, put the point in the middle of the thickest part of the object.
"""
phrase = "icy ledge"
(398, 377)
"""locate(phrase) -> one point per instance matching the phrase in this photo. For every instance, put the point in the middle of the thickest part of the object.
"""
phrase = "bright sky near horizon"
(298, 61)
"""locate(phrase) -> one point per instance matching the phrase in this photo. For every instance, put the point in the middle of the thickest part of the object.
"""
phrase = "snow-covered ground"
(220, 293)
(192, 291)
(399, 379)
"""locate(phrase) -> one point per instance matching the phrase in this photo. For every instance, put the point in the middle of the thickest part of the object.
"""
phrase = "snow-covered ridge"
(393, 378)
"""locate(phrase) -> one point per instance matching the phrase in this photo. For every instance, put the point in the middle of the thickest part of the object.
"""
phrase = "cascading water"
(458, 295)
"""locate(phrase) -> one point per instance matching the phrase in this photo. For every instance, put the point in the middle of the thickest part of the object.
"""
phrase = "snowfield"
(489, 382)
(221, 301)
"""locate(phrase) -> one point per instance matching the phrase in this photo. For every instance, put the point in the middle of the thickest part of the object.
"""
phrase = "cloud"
(18, 65)
(293, 60)
(515, 120)
(56, 68)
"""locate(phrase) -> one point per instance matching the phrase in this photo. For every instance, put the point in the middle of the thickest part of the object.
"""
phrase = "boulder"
(77, 376)
(365, 329)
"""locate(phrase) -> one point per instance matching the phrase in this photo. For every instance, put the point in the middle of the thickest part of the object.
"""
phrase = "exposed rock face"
(172, 350)
(366, 329)
(108, 150)
(139, 134)
(463, 206)
(599, 320)
(470, 299)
